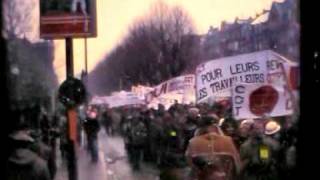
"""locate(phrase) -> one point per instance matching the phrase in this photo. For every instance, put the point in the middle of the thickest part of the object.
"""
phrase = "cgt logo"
(263, 100)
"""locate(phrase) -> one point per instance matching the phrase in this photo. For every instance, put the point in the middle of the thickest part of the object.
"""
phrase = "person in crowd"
(44, 151)
(63, 136)
(172, 142)
(288, 170)
(91, 128)
(107, 120)
(45, 127)
(137, 139)
(260, 153)
(155, 135)
(244, 131)
(190, 125)
(173, 162)
(23, 163)
(147, 117)
(211, 154)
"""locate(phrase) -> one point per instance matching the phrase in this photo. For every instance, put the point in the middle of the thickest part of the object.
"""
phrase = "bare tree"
(17, 18)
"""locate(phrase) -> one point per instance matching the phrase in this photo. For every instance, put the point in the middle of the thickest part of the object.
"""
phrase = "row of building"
(277, 29)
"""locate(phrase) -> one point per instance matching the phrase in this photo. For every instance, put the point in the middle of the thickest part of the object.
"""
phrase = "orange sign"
(72, 124)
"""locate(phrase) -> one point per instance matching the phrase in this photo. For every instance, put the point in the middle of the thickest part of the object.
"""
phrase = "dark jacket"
(23, 164)
(260, 159)
(91, 127)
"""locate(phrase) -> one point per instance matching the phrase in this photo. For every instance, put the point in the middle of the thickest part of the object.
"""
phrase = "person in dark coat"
(137, 139)
(24, 164)
(260, 154)
(107, 121)
(91, 128)
(190, 125)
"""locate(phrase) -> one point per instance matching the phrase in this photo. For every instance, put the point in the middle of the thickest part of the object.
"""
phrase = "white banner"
(118, 99)
(259, 100)
(174, 89)
(216, 78)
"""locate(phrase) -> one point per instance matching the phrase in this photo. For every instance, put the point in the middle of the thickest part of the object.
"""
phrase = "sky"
(115, 16)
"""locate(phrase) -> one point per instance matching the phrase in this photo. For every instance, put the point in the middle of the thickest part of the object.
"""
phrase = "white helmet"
(246, 122)
(272, 127)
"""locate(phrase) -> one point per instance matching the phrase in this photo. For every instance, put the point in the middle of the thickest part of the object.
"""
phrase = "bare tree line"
(159, 46)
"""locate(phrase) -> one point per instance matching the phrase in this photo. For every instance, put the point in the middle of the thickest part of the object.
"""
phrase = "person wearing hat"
(23, 163)
(207, 146)
(260, 153)
(244, 130)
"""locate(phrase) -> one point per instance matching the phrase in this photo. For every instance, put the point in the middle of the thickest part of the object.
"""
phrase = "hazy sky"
(114, 17)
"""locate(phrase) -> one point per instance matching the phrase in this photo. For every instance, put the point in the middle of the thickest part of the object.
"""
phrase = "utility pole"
(86, 56)
(71, 118)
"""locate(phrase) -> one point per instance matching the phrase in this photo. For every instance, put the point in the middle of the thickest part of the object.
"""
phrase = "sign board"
(258, 100)
(72, 124)
(217, 77)
(67, 18)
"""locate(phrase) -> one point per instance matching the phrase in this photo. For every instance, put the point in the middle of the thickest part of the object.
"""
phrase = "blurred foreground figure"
(24, 164)
(211, 154)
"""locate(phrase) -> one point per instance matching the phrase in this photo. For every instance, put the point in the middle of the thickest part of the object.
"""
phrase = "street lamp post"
(71, 153)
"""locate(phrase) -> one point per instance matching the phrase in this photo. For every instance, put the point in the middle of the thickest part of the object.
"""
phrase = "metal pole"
(86, 75)
(86, 55)
(71, 151)
(69, 57)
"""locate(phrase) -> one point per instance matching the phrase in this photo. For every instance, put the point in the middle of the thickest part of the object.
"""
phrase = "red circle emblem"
(263, 100)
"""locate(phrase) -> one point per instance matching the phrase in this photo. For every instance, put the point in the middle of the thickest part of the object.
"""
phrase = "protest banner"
(260, 100)
(217, 77)
(179, 85)
(118, 99)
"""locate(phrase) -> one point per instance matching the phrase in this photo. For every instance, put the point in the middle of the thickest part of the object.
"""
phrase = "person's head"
(246, 127)
(193, 112)
(229, 126)
(208, 124)
(175, 101)
(161, 107)
(272, 129)
(21, 138)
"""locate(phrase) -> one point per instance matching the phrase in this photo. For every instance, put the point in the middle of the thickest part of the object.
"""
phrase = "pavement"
(112, 165)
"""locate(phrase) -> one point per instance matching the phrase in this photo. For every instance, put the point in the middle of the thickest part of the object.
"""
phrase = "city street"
(113, 163)
(117, 166)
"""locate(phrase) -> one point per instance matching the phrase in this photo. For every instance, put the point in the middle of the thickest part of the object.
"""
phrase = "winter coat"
(260, 159)
(138, 132)
(23, 164)
(211, 145)
(91, 127)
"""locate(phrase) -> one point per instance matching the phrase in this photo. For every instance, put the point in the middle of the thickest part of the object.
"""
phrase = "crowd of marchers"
(198, 141)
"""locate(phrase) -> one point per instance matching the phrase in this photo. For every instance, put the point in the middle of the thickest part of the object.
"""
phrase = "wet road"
(117, 165)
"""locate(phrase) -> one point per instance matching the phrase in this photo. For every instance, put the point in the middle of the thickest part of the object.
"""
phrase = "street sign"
(67, 18)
